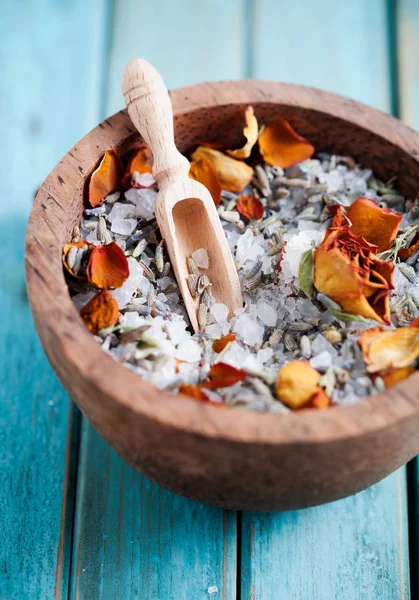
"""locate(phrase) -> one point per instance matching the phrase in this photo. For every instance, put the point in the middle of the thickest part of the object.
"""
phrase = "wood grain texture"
(197, 41)
(230, 458)
(355, 548)
(49, 92)
(336, 46)
(185, 211)
(135, 540)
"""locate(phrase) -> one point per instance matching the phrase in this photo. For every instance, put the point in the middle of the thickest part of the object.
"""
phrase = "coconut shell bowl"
(235, 459)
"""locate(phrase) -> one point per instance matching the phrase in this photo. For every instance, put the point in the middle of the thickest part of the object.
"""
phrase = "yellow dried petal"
(297, 383)
(395, 349)
(250, 132)
(233, 174)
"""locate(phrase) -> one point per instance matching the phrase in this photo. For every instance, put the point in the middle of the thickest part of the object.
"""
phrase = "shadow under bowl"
(235, 459)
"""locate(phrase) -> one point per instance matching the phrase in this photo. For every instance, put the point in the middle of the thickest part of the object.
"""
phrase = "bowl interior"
(203, 114)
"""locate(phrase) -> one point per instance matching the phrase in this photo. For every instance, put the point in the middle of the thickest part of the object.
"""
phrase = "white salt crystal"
(249, 330)
(144, 200)
(264, 355)
(322, 361)
(133, 319)
(214, 330)
(120, 211)
(163, 282)
(294, 250)
(304, 225)
(220, 312)
(248, 248)
(111, 198)
(177, 331)
(320, 344)
(267, 314)
(143, 180)
(123, 226)
(135, 281)
(200, 256)
(189, 351)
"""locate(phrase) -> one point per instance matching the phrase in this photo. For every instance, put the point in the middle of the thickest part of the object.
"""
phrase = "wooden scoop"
(185, 210)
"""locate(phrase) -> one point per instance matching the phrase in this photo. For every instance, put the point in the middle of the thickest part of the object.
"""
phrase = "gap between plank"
(239, 519)
(62, 581)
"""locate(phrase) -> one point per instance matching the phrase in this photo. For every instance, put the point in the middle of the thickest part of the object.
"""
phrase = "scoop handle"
(150, 110)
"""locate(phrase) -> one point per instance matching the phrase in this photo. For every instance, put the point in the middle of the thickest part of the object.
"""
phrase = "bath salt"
(200, 256)
(286, 321)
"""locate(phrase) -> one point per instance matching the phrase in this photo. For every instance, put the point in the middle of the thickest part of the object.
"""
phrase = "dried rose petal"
(394, 376)
(232, 174)
(107, 266)
(193, 391)
(406, 253)
(393, 349)
(281, 146)
(379, 226)
(202, 170)
(141, 161)
(337, 212)
(250, 207)
(347, 270)
(66, 250)
(297, 383)
(222, 375)
(250, 132)
(102, 311)
(106, 179)
(319, 400)
(219, 345)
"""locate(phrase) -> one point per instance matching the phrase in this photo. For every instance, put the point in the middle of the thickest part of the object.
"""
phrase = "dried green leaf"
(306, 274)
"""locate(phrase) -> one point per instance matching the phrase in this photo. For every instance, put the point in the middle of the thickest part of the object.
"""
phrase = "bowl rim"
(56, 317)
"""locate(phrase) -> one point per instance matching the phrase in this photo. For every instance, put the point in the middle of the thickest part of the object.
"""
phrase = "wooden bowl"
(236, 459)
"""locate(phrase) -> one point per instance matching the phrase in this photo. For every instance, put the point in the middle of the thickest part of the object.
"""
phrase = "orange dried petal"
(337, 212)
(222, 375)
(107, 266)
(193, 391)
(106, 179)
(281, 146)
(347, 271)
(379, 226)
(141, 161)
(202, 170)
(102, 311)
(319, 400)
(394, 349)
(232, 174)
(250, 132)
(406, 253)
(66, 250)
(394, 376)
(250, 207)
(297, 383)
(219, 345)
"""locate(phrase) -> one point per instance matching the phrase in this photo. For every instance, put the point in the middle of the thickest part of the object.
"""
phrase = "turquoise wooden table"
(75, 520)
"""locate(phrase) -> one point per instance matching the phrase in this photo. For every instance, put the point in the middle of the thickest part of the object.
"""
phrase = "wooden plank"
(133, 539)
(136, 540)
(47, 102)
(187, 41)
(358, 547)
(337, 46)
(354, 548)
(407, 32)
(407, 41)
